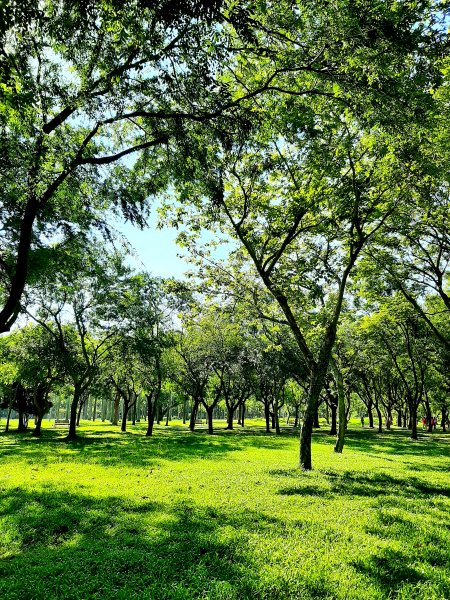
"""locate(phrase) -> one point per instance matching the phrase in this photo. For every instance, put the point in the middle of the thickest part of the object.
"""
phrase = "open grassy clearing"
(186, 515)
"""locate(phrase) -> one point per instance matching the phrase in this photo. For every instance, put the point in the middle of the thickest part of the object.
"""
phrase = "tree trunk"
(370, 414)
(380, 418)
(74, 413)
(194, 412)
(115, 416)
(413, 412)
(8, 419)
(297, 410)
(37, 429)
(317, 382)
(79, 413)
(21, 427)
(134, 411)
(429, 417)
(184, 411)
(209, 412)
(444, 419)
(267, 416)
(230, 415)
(333, 428)
(399, 417)
(94, 410)
(150, 416)
(126, 408)
(243, 414)
(316, 419)
(340, 438)
(276, 418)
(388, 418)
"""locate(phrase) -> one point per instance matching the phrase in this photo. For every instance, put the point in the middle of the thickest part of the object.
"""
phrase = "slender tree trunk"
(8, 419)
(37, 429)
(209, 412)
(94, 410)
(413, 412)
(340, 437)
(399, 417)
(333, 428)
(243, 414)
(21, 424)
(126, 407)
(267, 416)
(230, 415)
(388, 418)
(74, 412)
(276, 418)
(316, 419)
(370, 413)
(429, 416)
(443, 420)
(150, 416)
(79, 412)
(317, 382)
(194, 412)
(380, 418)
(184, 411)
(134, 411)
(115, 419)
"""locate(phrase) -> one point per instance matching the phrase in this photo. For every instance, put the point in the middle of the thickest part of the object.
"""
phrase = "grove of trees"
(301, 149)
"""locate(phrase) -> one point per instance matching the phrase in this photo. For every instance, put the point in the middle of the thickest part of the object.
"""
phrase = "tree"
(84, 310)
(138, 72)
(34, 369)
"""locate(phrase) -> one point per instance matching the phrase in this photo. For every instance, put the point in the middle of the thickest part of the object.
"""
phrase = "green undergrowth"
(227, 516)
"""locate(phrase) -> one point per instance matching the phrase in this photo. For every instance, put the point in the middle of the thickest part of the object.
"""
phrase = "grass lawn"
(227, 516)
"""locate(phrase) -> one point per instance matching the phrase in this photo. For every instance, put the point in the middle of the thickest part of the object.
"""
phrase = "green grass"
(227, 517)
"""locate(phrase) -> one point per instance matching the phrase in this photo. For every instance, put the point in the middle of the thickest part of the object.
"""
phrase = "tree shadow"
(68, 545)
(116, 448)
(349, 483)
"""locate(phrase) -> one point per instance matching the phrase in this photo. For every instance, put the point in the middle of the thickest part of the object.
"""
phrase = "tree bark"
(267, 416)
(429, 416)
(194, 412)
(230, 415)
(380, 418)
(333, 409)
(209, 412)
(37, 429)
(150, 415)
(318, 376)
(413, 412)
(370, 413)
(115, 419)
(276, 418)
(340, 438)
(316, 419)
(74, 412)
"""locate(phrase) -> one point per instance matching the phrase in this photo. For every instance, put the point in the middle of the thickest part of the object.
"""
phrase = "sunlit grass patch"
(186, 515)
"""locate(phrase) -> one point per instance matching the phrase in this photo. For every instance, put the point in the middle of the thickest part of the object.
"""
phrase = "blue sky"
(156, 250)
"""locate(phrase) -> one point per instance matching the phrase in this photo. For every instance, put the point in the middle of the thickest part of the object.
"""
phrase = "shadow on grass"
(398, 442)
(66, 545)
(134, 449)
(352, 484)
